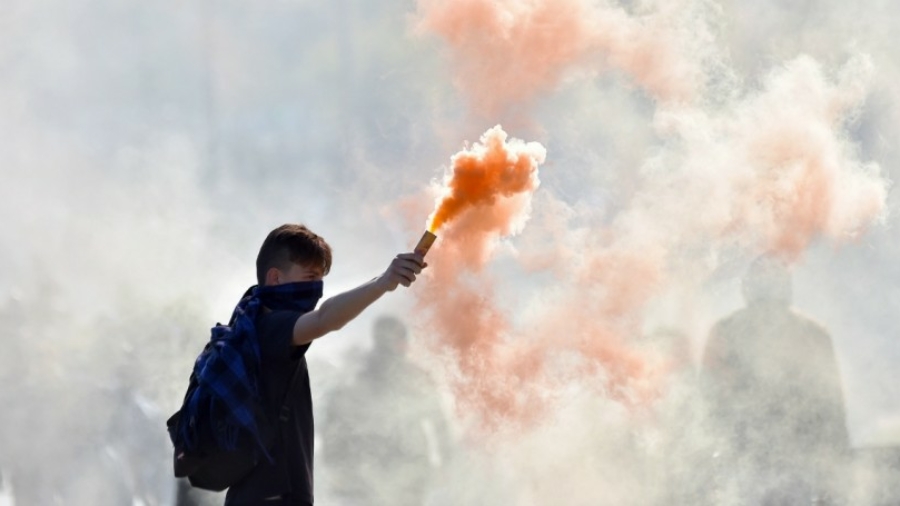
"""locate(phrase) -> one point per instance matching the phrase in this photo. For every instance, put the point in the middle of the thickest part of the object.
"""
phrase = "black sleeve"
(275, 332)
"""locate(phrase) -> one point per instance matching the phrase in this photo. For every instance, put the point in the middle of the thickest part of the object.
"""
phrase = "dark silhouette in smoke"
(385, 436)
(776, 392)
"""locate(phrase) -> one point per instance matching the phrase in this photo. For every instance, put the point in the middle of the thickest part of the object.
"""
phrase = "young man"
(294, 259)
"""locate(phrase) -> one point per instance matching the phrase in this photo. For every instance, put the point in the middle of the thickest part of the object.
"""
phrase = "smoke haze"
(774, 167)
(147, 149)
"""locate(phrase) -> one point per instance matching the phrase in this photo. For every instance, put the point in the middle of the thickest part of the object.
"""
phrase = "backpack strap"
(284, 413)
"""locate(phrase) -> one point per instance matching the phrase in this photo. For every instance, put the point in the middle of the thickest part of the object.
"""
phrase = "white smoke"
(148, 148)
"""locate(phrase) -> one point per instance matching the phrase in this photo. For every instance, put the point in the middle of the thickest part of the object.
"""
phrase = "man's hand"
(403, 271)
(337, 311)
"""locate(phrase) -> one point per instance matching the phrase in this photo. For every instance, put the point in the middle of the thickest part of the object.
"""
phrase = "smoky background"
(148, 148)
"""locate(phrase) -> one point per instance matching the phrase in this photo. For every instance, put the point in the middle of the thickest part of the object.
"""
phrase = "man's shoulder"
(726, 326)
(270, 320)
(810, 325)
(275, 332)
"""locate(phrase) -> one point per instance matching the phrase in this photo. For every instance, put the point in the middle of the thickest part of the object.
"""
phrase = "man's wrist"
(381, 283)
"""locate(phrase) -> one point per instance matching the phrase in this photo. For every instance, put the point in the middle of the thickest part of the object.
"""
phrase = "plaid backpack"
(209, 464)
(223, 429)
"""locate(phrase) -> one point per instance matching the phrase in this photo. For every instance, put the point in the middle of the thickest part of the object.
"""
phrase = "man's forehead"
(316, 270)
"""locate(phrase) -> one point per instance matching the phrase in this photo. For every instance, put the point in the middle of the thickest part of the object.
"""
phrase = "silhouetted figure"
(776, 391)
(385, 433)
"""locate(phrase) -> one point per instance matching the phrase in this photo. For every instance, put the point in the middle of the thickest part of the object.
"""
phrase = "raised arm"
(339, 310)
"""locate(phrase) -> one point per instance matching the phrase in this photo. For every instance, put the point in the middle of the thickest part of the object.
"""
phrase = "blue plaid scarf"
(227, 371)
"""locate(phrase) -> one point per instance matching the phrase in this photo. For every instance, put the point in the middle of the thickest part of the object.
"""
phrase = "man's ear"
(273, 276)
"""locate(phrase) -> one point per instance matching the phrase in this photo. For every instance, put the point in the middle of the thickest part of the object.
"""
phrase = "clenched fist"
(403, 270)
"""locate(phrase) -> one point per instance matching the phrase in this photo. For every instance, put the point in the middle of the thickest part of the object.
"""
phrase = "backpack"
(223, 429)
(210, 466)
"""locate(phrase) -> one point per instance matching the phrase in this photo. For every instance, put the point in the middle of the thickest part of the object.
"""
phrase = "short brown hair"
(292, 244)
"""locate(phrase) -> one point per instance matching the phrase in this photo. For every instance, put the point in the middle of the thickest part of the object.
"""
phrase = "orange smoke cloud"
(490, 169)
(807, 181)
(773, 173)
(505, 374)
(748, 171)
(511, 360)
(506, 52)
(486, 195)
